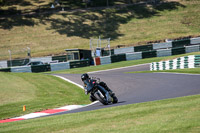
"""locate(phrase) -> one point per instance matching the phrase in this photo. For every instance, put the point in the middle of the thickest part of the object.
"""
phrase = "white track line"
(178, 73)
(118, 68)
(69, 81)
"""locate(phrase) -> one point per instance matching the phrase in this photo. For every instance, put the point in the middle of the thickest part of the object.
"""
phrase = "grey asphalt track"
(133, 88)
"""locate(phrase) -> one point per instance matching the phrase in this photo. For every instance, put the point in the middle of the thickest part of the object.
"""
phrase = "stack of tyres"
(118, 58)
(171, 64)
(59, 66)
(40, 68)
(197, 61)
(105, 52)
(81, 63)
(163, 45)
(177, 51)
(124, 50)
(143, 48)
(134, 56)
(190, 49)
(182, 62)
(164, 52)
(61, 58)
(180, 43)
(149, 54)
(20, 62)
(105, 60)
(5, 70)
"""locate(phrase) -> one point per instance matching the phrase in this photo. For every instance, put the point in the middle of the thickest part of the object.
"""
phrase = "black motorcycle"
(98, 91)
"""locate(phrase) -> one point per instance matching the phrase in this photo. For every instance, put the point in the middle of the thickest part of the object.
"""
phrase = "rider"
(85, 78)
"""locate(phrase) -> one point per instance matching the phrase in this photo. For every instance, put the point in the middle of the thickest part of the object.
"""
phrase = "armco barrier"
(180, 43)
(162, 45)
(124, 50)
(164, 52)
(134, 56)
(143, 48)
(195, 40)
(191, 61)
(190, 49)
(118, 58)
(59, 66)
(105, 60)
(21, 69)
(81, 63)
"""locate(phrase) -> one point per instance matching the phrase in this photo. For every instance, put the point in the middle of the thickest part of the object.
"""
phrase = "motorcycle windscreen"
(89, 85)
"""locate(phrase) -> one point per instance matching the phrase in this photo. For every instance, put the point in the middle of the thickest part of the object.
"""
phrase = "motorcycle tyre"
(115, 99)
(92, 99)
(104, 102)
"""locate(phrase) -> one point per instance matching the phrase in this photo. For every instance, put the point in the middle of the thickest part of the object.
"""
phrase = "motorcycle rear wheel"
(115, 99)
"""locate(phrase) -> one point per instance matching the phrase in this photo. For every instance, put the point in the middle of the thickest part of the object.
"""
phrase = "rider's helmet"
(84, 76)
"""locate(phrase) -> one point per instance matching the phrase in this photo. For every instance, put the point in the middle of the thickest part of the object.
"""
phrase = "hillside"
(48, 33)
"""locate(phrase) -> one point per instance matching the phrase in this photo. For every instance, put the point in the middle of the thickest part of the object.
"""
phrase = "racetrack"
(133, 88)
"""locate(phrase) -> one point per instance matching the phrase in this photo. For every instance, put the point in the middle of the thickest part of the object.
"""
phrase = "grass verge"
(37, 91)
(171, 115)
(121, 64)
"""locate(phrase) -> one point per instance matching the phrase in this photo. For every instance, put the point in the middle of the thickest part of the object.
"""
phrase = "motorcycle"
(98, 91)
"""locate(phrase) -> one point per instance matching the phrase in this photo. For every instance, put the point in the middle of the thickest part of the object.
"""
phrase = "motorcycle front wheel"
(102, 100)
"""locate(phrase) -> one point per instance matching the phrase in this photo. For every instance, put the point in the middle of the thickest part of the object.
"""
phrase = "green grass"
(50, 34)
(172, 115)
(187, 70)
(121, 64)
(37, 91)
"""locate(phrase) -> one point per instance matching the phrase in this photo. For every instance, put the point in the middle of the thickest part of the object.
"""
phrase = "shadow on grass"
(87, 23)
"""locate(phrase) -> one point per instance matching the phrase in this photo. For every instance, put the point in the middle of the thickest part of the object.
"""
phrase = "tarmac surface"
(133, 88)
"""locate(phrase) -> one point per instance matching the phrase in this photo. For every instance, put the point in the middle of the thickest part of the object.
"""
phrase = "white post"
(9, 51)
(109, 46)
(29, 52)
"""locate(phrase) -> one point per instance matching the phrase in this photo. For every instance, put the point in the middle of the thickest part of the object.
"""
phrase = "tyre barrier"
(48, 67)
(146, 54)
(191, 61)
(156, 46)
(162, 49)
